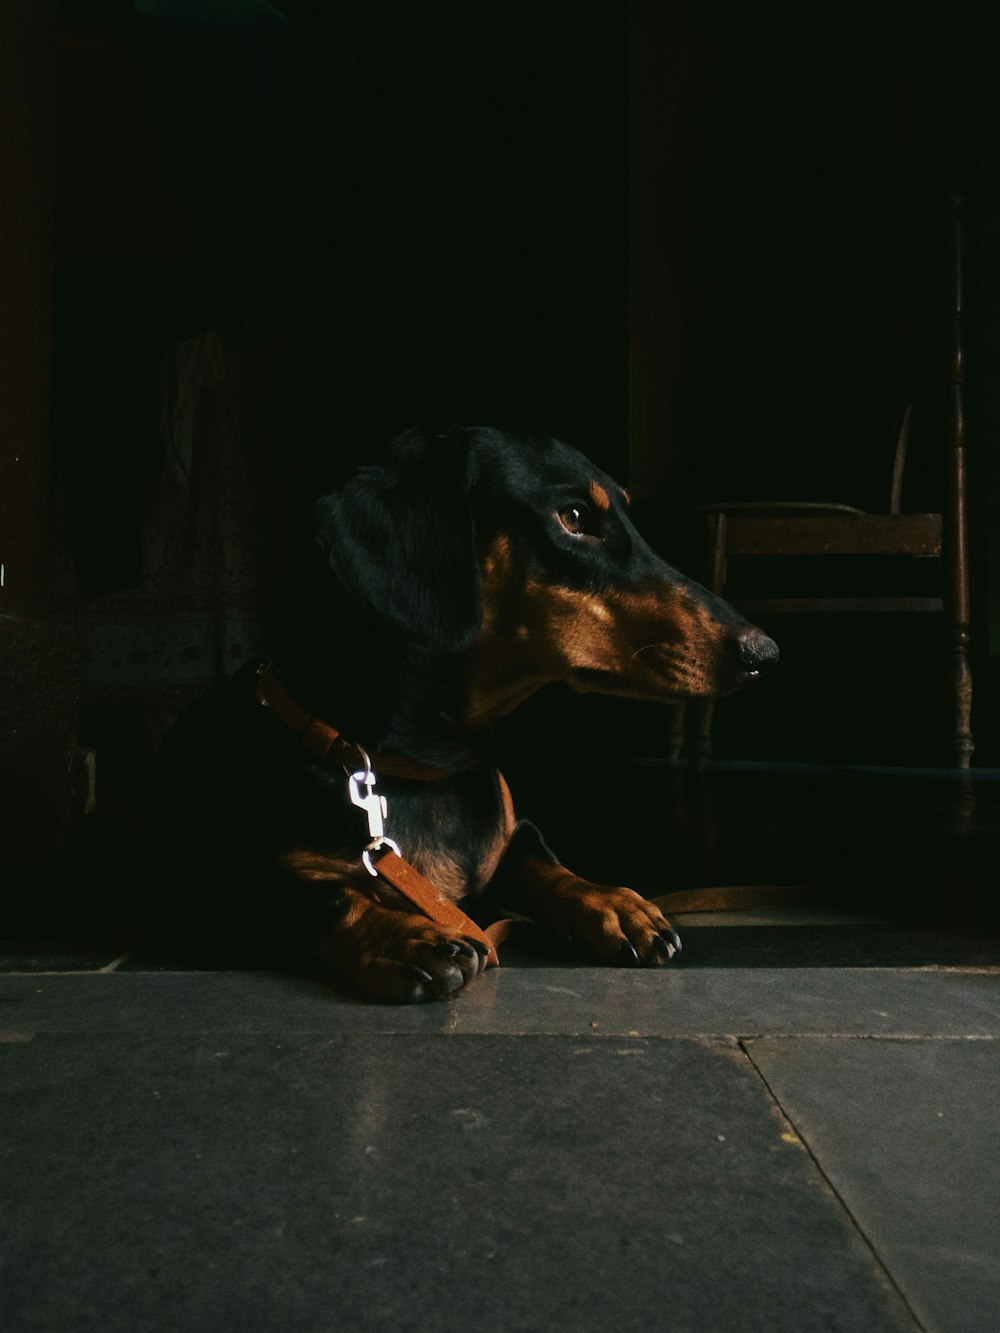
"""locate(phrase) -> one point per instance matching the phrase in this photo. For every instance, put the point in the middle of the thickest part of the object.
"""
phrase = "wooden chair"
(788, 529)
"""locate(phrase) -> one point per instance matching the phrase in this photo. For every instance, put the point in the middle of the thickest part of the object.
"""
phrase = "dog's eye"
(576, 518)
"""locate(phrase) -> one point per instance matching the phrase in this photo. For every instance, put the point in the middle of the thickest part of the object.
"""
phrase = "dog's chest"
(454, 832)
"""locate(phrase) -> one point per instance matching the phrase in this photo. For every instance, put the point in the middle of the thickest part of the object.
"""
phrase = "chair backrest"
(899, 462)
(956, 528)
(957, 414)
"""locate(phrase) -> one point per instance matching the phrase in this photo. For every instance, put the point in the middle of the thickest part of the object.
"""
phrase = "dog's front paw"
(619, 925)
(402, 959)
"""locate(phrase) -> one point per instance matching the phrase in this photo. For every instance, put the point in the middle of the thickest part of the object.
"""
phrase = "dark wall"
(448, 231)
(433, 201)
(818, 147)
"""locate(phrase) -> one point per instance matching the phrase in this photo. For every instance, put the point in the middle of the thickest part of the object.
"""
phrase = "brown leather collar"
(325, 742)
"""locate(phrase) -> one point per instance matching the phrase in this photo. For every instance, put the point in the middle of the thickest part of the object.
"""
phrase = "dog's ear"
(399, 536)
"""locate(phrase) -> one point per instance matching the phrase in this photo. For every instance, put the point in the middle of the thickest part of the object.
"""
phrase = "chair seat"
(755, 606)
(834, 534)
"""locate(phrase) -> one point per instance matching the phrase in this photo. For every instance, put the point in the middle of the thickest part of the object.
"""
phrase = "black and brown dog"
(443, 586)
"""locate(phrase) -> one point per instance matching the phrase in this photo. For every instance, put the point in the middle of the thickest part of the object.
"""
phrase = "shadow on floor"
(895, 867)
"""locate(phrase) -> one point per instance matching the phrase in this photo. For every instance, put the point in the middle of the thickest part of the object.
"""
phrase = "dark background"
(435, 202)
(448, 229)
(706, 242)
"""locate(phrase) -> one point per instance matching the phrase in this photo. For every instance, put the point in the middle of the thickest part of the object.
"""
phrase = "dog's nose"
(756, 651)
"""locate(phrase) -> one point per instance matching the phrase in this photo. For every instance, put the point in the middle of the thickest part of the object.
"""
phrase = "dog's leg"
(617, 924)
(375, 942)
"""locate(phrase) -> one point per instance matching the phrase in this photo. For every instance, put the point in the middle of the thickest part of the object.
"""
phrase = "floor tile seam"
(714, 1035)
(110, 969)
(869, 1244)
(947, 969)
(819, 1034)
(723, 1035)
(83, 972)
(107, 970)
(922, 970)
(698, 1034)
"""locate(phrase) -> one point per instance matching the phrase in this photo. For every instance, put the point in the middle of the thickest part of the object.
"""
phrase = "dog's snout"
(757, 653)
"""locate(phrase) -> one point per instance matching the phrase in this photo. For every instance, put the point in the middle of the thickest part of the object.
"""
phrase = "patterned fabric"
(195, 618)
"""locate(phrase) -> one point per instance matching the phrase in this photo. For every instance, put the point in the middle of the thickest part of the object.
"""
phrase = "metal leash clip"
(374, 807)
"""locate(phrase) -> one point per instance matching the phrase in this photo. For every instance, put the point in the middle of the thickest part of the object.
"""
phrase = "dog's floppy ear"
(399, 536)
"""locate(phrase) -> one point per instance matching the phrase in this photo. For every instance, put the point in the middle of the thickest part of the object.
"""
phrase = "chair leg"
(961, 690)
(705, 710)
(956, 530)
(676, 731)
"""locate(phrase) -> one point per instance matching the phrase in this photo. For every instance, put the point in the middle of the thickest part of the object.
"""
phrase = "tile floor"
(794, 1128)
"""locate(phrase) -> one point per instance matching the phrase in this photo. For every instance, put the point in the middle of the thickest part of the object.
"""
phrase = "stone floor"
(793, 1128)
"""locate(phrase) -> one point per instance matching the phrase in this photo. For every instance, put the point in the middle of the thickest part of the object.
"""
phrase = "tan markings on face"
(500, 670)
(497, 561)
(497, 584)
(673, 643)
(658, 642)
(599, 496)
(572, 630)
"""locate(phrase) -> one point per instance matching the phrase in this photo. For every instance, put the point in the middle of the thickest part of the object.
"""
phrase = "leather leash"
(418, 889)
(326, 744)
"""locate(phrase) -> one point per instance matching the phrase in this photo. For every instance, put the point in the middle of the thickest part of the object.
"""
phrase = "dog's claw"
(668, 943)
(466, 954)
(423, 982)
(480, 952)
(628, 954)
(450, 980)
(429, 987)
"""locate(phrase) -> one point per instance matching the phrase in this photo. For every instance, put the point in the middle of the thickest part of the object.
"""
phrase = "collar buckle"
(376, 809)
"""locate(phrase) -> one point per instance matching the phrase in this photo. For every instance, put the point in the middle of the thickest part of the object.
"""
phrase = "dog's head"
(518, 555)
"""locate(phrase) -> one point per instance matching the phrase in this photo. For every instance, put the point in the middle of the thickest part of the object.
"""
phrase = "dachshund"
(439, 588)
